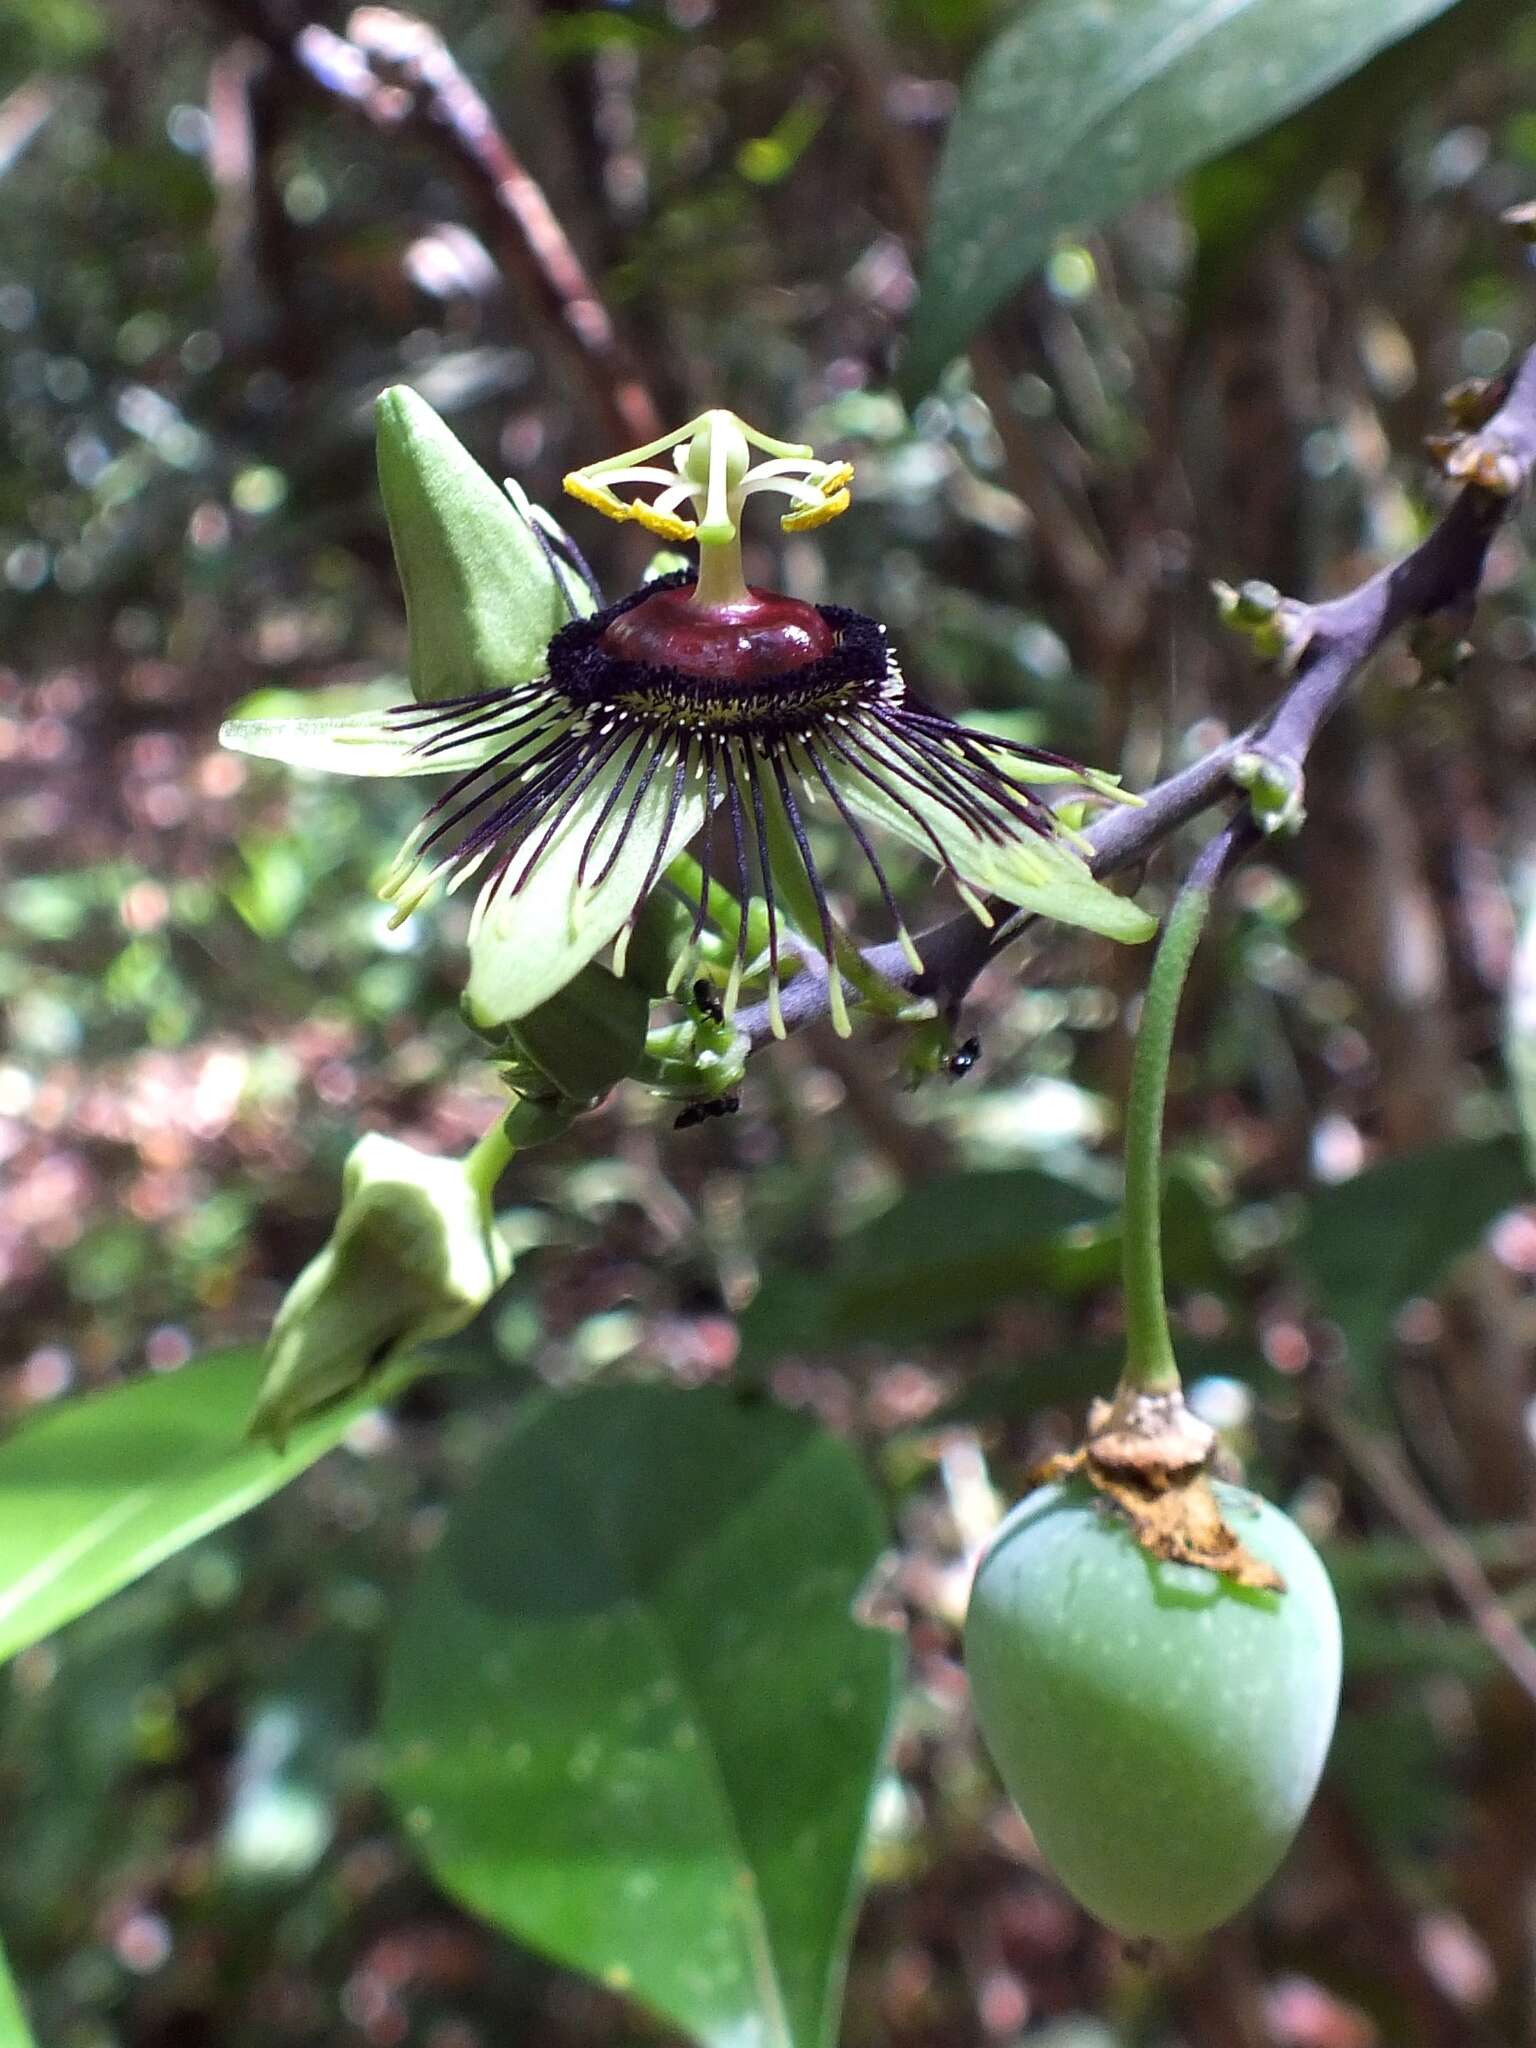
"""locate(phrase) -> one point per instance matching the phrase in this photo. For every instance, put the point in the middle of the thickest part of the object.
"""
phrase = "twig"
(24, 113)
(401, 77)
(1336, 639)
(1376, 1461)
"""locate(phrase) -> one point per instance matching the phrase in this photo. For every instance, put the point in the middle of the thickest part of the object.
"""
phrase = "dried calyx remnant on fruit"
(1154, 1653)
(1149, 1459)
(585, 760)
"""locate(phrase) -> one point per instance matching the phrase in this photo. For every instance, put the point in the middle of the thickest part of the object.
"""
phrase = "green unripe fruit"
(1161, 1729)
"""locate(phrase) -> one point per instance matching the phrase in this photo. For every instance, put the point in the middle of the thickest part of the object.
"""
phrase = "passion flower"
(574, 787)
(1160, 1727)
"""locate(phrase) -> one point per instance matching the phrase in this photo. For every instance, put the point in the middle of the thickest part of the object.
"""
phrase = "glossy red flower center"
(761, 636)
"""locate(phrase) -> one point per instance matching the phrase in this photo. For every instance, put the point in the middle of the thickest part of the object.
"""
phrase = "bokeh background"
(208, 268)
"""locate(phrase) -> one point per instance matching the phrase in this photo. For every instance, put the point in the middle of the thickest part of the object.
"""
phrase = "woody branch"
(1329, 645)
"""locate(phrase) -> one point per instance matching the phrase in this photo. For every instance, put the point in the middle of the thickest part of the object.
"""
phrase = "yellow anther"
(716, 474)
(815, 515)
(598, 496)
(665, 524)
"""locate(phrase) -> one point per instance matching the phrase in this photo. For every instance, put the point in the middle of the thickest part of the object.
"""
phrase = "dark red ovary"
(762, 636)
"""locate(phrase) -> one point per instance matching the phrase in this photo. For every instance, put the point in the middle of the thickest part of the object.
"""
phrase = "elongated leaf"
(1372, 1242)
(14, 2031)
(96, 1491)
(1080, 107)
(630, 1718)
(1232, 201)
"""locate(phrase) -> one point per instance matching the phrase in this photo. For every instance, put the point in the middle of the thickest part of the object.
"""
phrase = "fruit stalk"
(1150, 1366)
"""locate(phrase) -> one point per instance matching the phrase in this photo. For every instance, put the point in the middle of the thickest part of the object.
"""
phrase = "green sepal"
(1040, 875)
(537, 1119)
(582, 1042)
(662, 929)
(481, 599)
(411, 1258)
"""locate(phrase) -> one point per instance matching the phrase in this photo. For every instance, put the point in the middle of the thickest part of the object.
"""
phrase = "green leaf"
(1038, 874)
(14, 2031)
(942, 1255)
(96, 1491)
(481, 599)
(630, 1718)
(1391, 1232)
(951, 1250)
(1080, 107)
(1232, 201)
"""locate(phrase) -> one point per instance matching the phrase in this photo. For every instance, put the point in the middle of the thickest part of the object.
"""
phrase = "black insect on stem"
(963, 1058)
(702, 1112)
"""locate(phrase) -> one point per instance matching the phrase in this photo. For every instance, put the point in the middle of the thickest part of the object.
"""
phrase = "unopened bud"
(1274, 626)
(1276, 792)
(1480, 459)
(1473, 402)
(702, 1058)
(482, 600)
(411, 1258)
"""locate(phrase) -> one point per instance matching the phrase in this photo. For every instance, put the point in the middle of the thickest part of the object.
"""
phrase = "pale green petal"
(532, 941)
(1037, 874)
(362, 743)
(481, 599)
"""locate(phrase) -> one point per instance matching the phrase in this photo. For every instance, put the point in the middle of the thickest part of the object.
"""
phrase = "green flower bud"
(482, 598)
(412, 1257)
(700, 1059)
(1276, 792)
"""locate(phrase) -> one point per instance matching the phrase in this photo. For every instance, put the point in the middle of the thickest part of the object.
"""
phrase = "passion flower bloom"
(578, 777)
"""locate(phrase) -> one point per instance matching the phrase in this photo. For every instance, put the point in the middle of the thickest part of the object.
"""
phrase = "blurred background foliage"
(206, 273)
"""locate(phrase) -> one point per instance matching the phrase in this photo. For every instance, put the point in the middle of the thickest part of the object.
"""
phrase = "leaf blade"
(97, 1491)
(14, 2031)
(680, 1805)
(1076, 111)
(1371, 1242)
